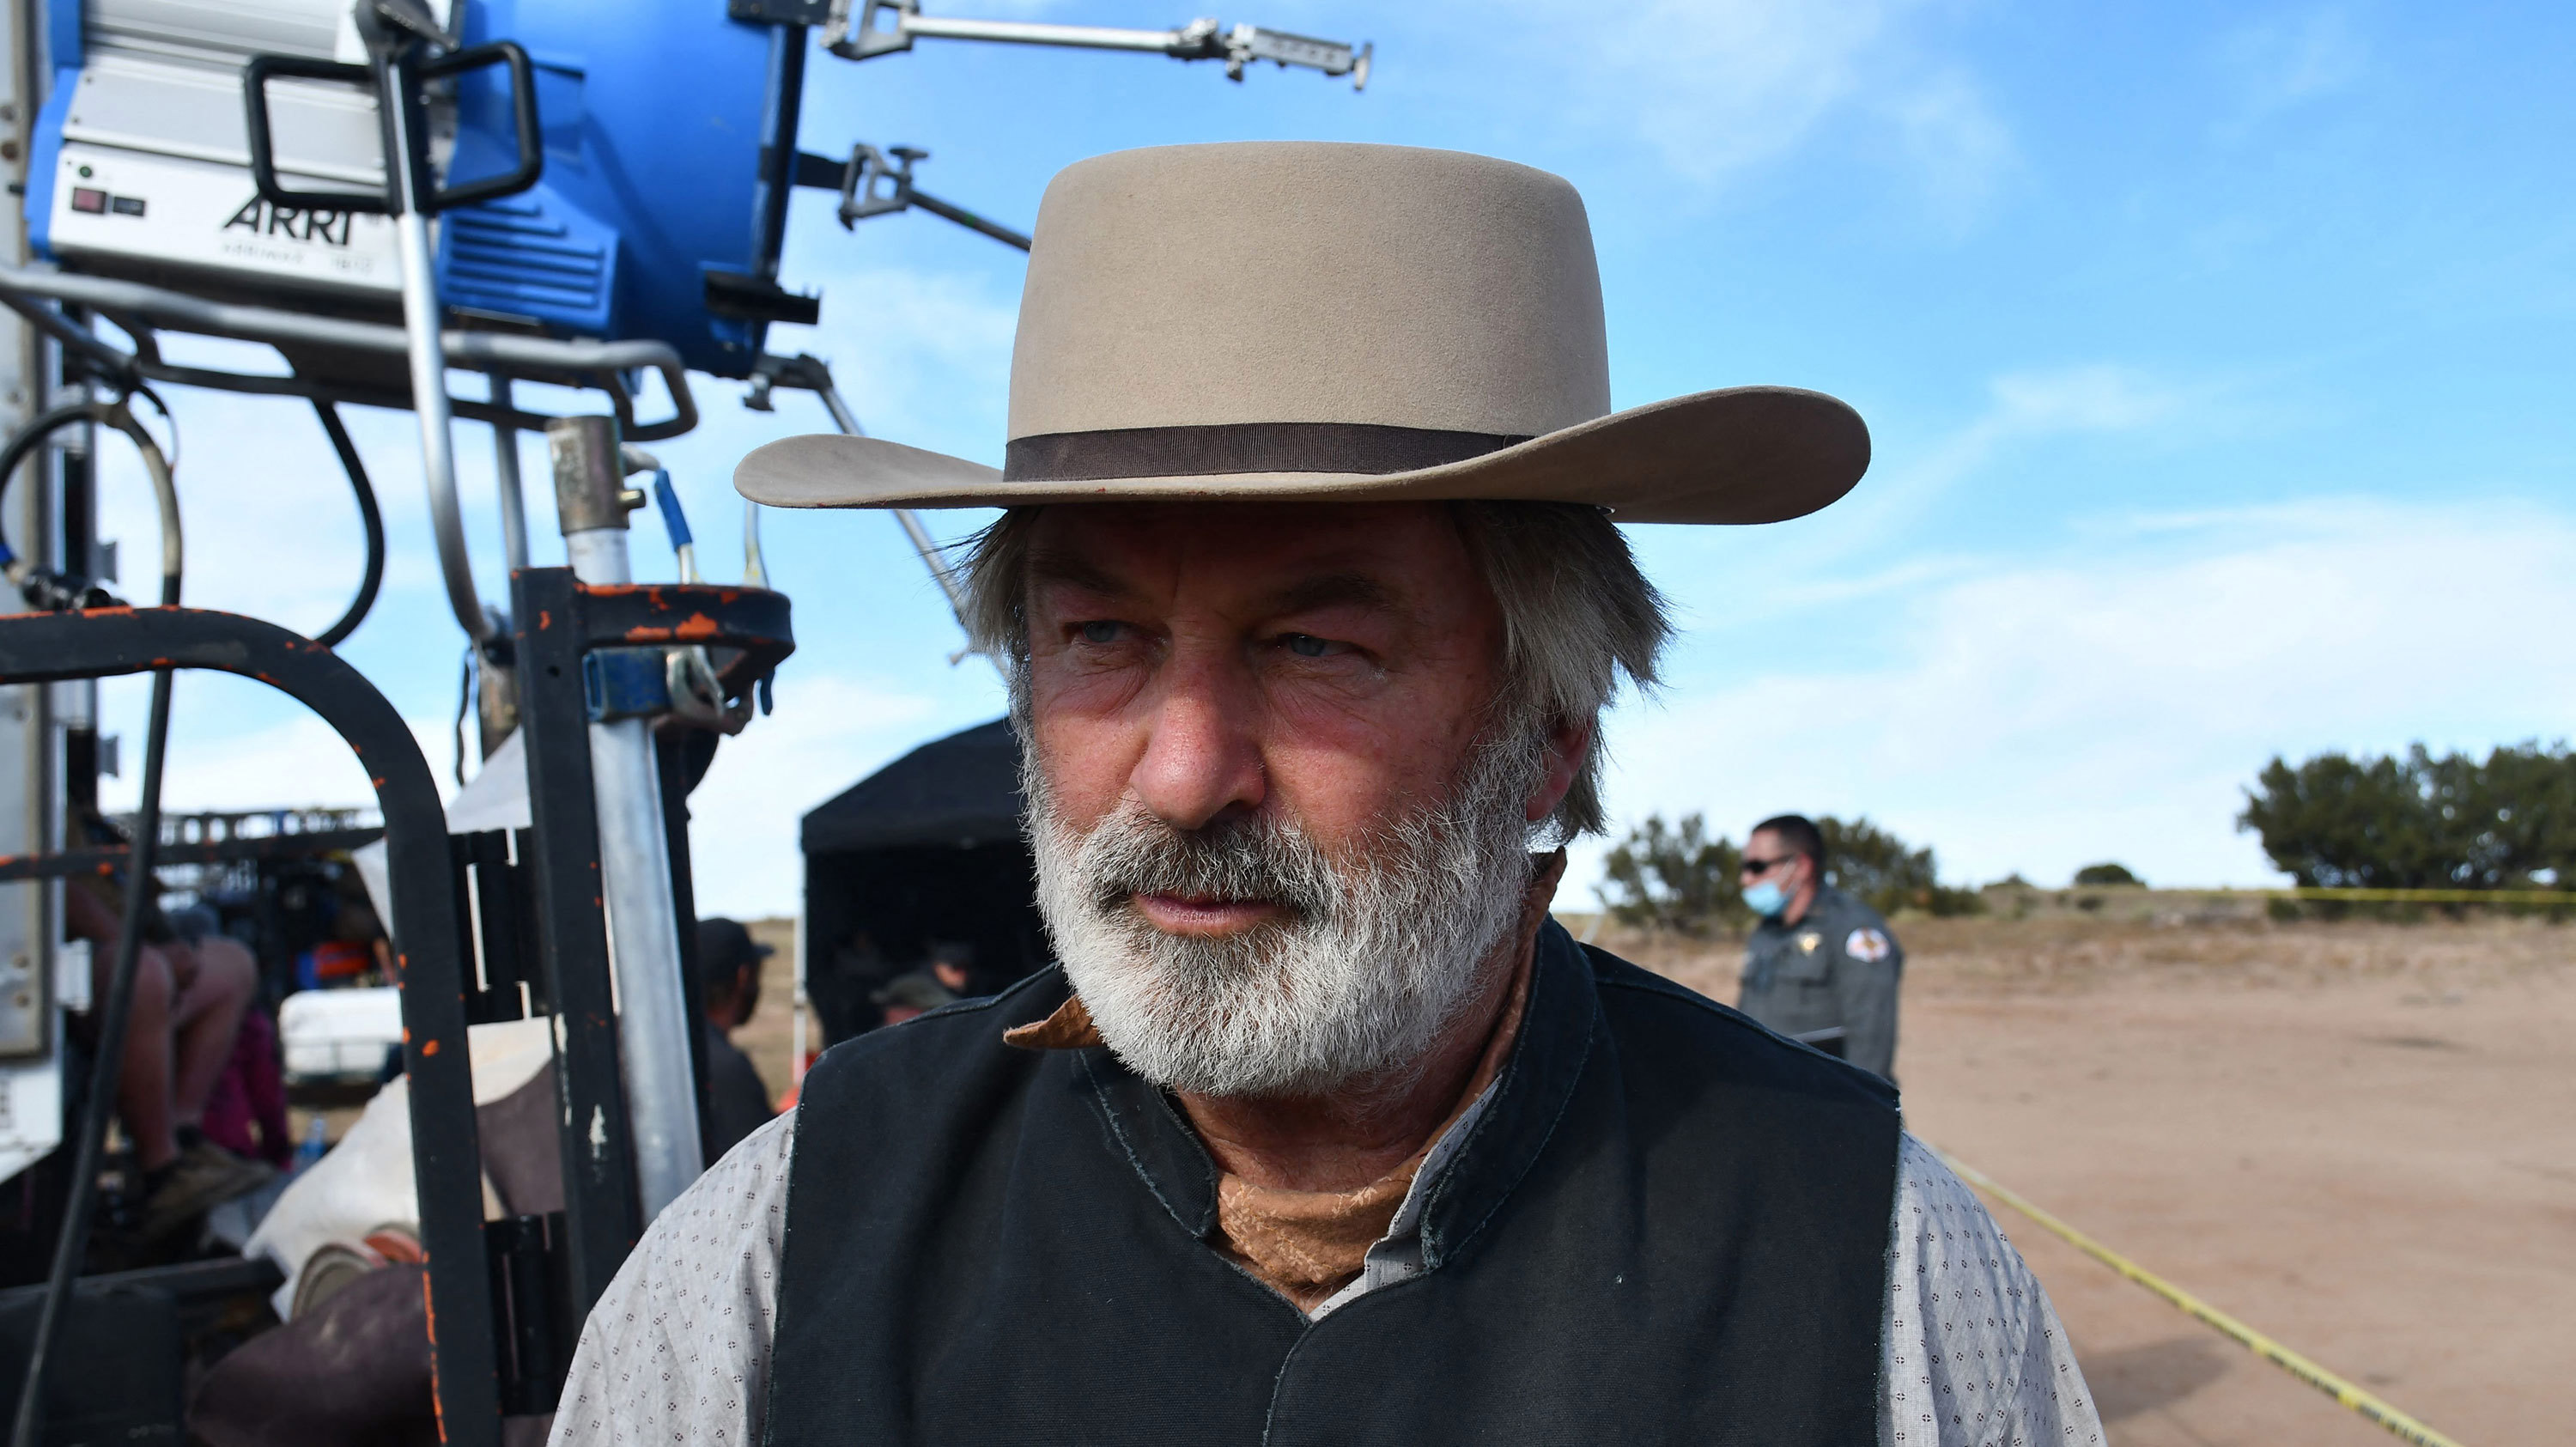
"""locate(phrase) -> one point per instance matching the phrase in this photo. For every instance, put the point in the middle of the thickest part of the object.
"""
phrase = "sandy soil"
(2360, 1138)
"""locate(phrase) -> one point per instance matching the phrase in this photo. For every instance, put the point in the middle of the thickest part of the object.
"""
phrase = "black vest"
(1669, 1225)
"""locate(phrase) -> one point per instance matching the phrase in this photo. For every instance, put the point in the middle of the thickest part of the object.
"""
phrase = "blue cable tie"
(672, 518)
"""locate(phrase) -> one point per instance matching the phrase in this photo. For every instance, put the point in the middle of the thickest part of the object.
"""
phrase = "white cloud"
(1721, 88)
(2022, 406)
(2289, 60)
(1960, 151)
(1837, 553)
(932, 356)
(2112, 705)
(828, 734)
(294, 762)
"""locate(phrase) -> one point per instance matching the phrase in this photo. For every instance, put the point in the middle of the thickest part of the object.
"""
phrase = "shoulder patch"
(1868, 946)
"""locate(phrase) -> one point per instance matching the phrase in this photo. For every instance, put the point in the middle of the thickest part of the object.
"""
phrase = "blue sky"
(2217, 359)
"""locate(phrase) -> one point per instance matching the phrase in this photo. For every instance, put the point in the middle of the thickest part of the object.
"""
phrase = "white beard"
(1376, 956)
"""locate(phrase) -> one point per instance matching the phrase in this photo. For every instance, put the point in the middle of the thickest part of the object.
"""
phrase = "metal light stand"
(656, 1024)
(583, 653)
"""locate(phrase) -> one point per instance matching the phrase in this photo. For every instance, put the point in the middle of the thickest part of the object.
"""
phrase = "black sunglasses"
(1765, 866)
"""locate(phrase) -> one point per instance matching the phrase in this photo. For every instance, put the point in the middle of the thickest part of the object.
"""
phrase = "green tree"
(1875, 866)
(2103, 874)
(1678, 878)
(2419, 822)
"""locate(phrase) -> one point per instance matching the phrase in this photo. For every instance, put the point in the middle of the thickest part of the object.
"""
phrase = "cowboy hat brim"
(1738, 455)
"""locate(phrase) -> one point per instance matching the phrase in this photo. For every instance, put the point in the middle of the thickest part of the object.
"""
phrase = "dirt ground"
(2359, 1138)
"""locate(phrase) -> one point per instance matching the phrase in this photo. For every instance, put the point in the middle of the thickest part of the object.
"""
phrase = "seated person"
(246, 1111)
(188, 1003)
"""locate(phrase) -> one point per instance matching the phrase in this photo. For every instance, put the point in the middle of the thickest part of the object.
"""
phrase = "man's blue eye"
(1100, 632)
(1307, 645)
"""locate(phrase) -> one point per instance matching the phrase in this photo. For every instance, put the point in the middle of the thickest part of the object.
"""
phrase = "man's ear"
(1568, 745)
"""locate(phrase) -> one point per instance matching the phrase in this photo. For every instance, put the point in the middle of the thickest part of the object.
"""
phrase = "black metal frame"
(50, 647)
(511, 1293)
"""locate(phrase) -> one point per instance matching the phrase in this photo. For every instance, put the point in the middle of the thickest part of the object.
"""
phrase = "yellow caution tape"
(2262, 1346)
(2422, 896)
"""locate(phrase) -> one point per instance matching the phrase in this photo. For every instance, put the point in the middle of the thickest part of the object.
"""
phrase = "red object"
(85, 199)
(341, 960)
(246, 1114)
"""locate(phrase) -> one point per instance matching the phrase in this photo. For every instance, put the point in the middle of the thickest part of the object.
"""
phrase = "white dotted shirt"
(677, 1351)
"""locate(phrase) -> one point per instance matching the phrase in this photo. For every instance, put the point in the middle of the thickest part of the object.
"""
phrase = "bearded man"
(1310, 596)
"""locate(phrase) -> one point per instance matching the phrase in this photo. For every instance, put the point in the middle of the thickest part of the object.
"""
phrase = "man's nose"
(1202, 760)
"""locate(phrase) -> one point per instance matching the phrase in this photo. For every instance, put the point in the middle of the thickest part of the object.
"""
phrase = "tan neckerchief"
(1309, 1244)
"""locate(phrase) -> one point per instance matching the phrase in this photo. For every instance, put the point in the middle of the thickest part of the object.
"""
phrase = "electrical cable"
(168, 419)
(464, 701)
(676, 522)
(369, 516)
(118, 416)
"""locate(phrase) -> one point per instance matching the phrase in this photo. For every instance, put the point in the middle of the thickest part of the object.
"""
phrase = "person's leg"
(206, 1016)
(143, 1085)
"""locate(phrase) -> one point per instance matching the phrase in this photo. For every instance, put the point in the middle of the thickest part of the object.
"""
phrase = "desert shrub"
(1874, 865)
(2094, 875)
(1678, 878)
(2419, 822)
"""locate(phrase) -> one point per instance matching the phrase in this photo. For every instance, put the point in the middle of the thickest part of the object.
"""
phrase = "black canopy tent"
(926, 849)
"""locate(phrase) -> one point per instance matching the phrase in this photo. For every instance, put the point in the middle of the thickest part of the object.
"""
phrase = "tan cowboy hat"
(1298, 320)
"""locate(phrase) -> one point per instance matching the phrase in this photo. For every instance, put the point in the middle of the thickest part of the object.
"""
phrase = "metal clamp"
(870, 185)
(678, 683)
(861, 197)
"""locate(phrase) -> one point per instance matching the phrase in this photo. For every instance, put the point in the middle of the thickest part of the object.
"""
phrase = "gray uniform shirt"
(1830, 980)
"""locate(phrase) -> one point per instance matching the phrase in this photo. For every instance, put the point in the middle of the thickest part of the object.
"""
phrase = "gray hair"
(1577, 613)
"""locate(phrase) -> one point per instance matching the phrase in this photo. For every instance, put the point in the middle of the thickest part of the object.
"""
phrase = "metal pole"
(428, 356)
(654, 1018)
(1020, 32)
(950, 211)
(505, 464)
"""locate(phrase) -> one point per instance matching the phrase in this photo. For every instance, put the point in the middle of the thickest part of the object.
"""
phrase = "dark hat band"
(1361, 447)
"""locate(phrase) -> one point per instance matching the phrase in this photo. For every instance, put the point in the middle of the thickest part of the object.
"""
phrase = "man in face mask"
(1821, 967)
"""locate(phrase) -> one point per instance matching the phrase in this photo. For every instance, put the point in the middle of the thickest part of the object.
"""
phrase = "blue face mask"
(1766, 899)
